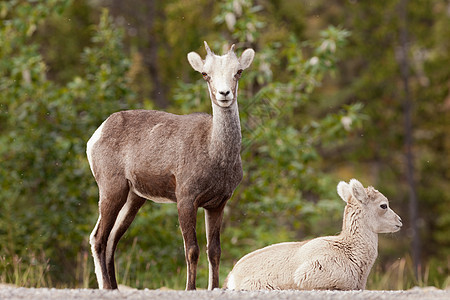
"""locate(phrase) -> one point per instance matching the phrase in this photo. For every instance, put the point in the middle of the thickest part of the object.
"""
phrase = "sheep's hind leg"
(321, 275)
(110, 204)
(96, 254)
(122, 223)
(309, 276)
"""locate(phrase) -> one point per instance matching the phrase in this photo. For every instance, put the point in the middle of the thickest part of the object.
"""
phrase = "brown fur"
(191, 160)
(167, 167)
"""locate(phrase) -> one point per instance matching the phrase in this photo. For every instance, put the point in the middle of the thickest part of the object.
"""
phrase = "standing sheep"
(341, 262)
(191, 160)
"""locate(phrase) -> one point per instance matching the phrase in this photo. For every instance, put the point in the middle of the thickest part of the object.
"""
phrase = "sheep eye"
(383, 206)
(204, 75)
(238, 74)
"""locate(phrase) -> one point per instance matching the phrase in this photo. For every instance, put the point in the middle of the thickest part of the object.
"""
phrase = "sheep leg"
(111, 202)
(123, 221)
(322, 274)
(187, 217)
(213, 222)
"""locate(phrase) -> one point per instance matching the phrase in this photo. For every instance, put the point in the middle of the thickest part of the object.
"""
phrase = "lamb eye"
(238, 74)
(383, 206)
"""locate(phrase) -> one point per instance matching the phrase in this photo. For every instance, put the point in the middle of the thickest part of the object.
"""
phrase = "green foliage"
(281, 138)
(45, 182)
(373, 59)
(318, 105)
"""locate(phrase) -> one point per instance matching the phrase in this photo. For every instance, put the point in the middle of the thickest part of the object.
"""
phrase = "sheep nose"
(224, 93)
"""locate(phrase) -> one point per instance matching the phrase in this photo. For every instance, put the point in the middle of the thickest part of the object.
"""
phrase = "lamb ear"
(343, 190)
(358, 191)
(246, 58)
(196, 61)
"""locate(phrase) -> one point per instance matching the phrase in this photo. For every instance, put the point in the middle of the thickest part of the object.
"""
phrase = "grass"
(399, 275)
(84, 272)
(134, 271)
(31, 271)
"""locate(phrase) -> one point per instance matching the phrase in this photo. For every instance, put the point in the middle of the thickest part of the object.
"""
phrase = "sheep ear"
(358, 191)
(343, 190)
(196, 61)
(246, 58)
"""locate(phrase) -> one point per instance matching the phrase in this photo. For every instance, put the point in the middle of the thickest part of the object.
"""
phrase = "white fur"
(90, 144)
(222, 83)
(334, 262)
(231, 282)
(98, 268)
(343, 191)
(152, 198)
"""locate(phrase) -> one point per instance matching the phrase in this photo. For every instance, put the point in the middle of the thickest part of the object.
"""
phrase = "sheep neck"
(226, 136)
(362, 241)
(355, 227)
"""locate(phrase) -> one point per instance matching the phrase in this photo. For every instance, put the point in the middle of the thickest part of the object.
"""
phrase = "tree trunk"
(408, 139)
(146, 22)
(151, 56)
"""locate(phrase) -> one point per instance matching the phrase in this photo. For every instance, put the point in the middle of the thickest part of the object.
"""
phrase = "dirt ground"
(8, 292)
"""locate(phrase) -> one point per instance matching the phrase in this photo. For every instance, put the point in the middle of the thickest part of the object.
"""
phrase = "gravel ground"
(69, 294)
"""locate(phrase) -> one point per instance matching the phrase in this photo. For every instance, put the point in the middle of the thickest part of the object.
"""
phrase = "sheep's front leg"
(187, 216)
(213, 221)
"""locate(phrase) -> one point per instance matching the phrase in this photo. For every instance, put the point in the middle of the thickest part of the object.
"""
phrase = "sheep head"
(374, 206)
(222, 73)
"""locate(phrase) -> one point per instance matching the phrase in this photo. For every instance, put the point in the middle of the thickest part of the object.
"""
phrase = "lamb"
(341, 262)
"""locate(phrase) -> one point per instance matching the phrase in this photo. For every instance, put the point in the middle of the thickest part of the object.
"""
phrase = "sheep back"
(269, 268)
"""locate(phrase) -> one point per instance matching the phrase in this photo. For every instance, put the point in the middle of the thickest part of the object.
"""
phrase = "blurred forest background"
(338, 90)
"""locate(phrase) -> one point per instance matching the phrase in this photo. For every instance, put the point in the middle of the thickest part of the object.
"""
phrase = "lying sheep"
(341, 262)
